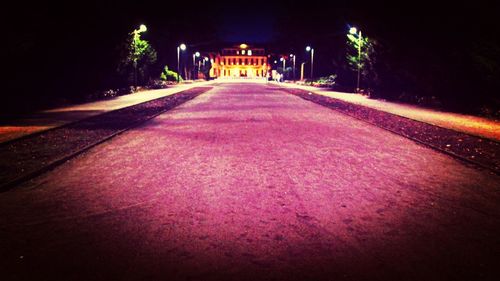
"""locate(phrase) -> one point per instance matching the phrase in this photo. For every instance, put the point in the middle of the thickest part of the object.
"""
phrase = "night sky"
(72, 47)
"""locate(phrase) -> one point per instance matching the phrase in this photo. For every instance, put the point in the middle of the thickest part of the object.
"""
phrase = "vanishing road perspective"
(247, 181)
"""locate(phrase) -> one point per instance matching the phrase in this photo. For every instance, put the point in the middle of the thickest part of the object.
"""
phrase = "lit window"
(249, 52)
(238, 52)
(242, 52)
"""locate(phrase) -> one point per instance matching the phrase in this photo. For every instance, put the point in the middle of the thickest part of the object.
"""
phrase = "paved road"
(249, 183)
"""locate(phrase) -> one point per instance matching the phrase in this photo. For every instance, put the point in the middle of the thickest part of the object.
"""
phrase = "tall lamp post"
(354, 31)
(137, 34)
(180, 48)
(302, 71)
(205, 59)
(293, 61)
(195, 55)
(309, 49)
(283, 60)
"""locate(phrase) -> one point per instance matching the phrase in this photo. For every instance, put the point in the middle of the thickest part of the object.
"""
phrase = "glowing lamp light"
(353, 30)
(142, 28)
(243, 46)
(308, 48)
(197, 54)
(182, 46)
(291, 55)
(281, 59)
(206, 58)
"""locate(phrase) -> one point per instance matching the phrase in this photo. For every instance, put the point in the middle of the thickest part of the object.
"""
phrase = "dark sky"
(60, 44)
(32, 25)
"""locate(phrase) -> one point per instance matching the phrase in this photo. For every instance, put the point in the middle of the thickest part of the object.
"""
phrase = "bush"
(169, 75)
(327, 81)
(157, 84)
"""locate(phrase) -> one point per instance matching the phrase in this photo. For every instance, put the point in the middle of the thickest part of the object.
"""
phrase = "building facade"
(240, 61)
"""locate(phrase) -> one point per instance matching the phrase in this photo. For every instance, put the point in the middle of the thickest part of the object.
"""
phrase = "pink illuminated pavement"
(248, 183)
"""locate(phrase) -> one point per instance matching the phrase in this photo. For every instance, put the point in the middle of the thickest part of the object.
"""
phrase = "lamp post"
(205, 59)
(137, 32)
(180, 48)
(302, 71)
(283, 60)
(293, 61)
(354, 31)
(195, 55)
(309, 49)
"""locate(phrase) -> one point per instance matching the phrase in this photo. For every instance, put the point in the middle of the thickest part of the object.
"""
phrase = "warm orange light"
(243, 46)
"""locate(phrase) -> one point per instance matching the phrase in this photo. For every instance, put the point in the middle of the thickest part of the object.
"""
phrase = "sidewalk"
(469, 124)
(47, 119)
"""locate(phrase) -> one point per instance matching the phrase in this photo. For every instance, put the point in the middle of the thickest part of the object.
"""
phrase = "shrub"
(327, 81)
(169, 75)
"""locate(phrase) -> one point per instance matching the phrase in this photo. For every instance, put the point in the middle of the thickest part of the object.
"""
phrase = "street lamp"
(302, 71)
(137, 32)
(142, 28)
(354, 31)
(195, 55)
(283, 60)
(309, 49)
(205, 60)
(293, 61)
(181, 47)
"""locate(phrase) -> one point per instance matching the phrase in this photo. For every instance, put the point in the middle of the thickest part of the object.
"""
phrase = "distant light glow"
(282, 59)
(143, 28)
(206, 58)
(249, 52)
(243, 46)
(308, 48)
(353, 30)
(182, 46)
(197, 54)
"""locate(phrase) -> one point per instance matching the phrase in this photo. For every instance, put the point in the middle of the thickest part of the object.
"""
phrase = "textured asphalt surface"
(28, 156)
(249, 183)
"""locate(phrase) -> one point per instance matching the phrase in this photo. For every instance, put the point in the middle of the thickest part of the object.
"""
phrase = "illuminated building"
(240, 61)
